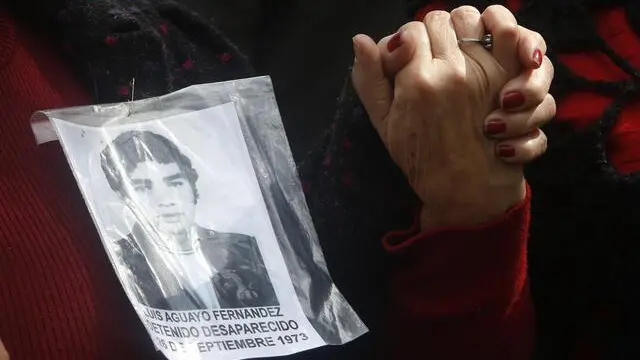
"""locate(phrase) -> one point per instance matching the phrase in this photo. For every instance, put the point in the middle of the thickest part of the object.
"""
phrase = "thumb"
(531, 48)
(373, 88)
(397, 51)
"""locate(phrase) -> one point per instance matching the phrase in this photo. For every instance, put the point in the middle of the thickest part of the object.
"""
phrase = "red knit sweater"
(59, 298)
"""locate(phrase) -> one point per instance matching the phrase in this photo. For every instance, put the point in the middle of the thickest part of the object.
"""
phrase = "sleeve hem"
(399, 240)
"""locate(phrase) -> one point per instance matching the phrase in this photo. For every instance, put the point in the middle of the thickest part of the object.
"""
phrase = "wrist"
(471, 213)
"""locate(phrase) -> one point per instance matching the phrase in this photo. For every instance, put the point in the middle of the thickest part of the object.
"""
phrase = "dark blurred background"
(305, 46)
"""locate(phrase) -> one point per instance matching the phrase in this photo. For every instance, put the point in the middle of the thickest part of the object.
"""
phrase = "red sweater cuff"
(453, 271)
(461, 293)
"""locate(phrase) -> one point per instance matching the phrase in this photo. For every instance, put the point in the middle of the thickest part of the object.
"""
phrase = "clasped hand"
(459, 120)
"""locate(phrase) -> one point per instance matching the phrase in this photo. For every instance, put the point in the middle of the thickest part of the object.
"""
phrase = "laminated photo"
(179, 208)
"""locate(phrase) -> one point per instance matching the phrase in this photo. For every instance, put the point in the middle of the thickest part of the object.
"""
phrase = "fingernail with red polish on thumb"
(395, 42)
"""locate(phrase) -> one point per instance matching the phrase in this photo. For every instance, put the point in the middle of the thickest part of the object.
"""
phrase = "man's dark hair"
(133, 147)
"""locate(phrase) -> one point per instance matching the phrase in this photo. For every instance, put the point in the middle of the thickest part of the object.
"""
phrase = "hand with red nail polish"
(429, 99)
(525, 102)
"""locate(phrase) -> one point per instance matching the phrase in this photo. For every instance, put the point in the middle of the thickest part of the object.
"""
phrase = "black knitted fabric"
(584, 250)
(160, 44)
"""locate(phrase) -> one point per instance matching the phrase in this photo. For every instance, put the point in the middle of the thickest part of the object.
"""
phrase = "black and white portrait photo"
(179, 208)
(205, 226)
(171, 261)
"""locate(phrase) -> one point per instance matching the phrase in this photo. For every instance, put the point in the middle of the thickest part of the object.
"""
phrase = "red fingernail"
(495, 127)
(506, 151)
(537, 57)
(394, 42)
(512, 100)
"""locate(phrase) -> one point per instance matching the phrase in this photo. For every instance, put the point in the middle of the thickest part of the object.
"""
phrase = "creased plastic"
(199, 207)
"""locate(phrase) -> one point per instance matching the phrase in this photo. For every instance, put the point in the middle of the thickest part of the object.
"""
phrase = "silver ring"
(486, 41)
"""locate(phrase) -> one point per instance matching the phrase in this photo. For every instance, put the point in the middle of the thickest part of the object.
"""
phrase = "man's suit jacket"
(241, 278)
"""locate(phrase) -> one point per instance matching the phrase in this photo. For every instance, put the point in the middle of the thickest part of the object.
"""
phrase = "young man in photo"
(169, 261)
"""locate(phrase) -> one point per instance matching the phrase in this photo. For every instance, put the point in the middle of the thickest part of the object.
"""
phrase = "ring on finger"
(486, 41)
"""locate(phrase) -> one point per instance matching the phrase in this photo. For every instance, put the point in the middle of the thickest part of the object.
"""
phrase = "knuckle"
(413, 25)
(457, 77)
(462, 11)
(511, 29)
(436, 15)
(541, 145)
(552, 106)
(507, 31)
(383, 42)
(416, 84)
(548, 65)
(545, 113)
(536, 89)
(493, 10)
(538, 37)
(537, 93)
(425, 85)
(542, 114)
